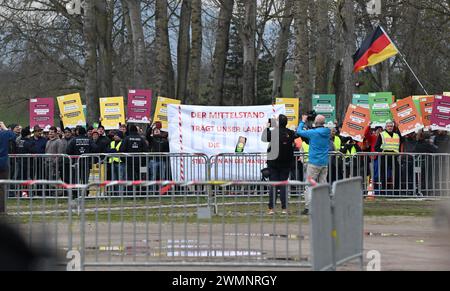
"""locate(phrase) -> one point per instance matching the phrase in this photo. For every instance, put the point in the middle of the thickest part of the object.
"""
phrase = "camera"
(311, 115)
(309, 124)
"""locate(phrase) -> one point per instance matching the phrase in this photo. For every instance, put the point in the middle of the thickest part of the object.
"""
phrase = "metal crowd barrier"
(168, 229)
(182, 230)
(337, 224)
(384, 175)
(47, 215)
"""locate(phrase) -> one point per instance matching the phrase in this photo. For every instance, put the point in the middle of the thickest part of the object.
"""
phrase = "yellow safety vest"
(337, 143)
(305, 147)
(352, 152)
(117, 147)
(390, 144)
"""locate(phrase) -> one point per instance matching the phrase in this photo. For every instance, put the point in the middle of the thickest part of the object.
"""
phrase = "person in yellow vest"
(388, 144)
(352, 163)
(304, 153)
(297, 173)
(336, 170)
(116, 166)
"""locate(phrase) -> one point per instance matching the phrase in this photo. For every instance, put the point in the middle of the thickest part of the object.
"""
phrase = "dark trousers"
(276, 175)
(4, 175)
(389, 170)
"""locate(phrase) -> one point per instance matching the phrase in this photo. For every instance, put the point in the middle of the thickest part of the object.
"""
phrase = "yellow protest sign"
(292, 110)
(71, 109)
(446, 93)
(112, 112)
(161, 110)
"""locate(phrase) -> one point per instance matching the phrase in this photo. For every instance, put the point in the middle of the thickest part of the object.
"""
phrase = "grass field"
(175, 209)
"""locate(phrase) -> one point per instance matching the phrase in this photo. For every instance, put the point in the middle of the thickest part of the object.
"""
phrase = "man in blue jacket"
(6, 137)
(319, 144)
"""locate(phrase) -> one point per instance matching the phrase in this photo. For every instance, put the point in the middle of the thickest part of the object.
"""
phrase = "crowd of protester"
(381, 169)
(27, 148)
(390, 163)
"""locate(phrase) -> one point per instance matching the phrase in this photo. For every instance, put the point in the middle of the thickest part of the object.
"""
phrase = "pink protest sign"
(42, 112)
(139, 106)
(440, 116)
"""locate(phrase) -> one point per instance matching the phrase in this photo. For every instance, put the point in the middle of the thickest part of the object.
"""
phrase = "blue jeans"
(157, 170)
(118, 172)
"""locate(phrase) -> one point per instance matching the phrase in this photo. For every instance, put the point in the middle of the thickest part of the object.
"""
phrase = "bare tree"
(322, 57)
(184, 47)
(282, 48)
(247, 34)
(90, 65)
(302, 86)
(343, 74)
(165, 79)
(137, 36)
(195, 62)
(104, 11)
(214, 93)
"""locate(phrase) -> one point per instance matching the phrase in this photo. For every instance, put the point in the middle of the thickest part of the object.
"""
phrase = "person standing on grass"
(319, 145)
(280, 167)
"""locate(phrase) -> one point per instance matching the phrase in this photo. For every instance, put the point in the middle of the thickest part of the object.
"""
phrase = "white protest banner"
(216, 130)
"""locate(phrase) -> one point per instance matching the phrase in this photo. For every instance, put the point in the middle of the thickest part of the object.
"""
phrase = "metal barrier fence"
(46, 214)
(387, 175)
(177, 227)
(181, 230)
(337, 224)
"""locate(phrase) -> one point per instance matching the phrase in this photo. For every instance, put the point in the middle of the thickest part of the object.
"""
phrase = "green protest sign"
(361, 100)
(379, 105)
(325, 105)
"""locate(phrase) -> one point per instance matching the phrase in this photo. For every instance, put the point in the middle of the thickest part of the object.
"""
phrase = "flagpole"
(406, 62)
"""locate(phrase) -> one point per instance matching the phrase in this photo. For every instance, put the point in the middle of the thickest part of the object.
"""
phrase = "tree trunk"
(195, 62)
(215, 91)
(302, 85)
(126, 53)
(137, 32)
(248, 38)
(282, 49)
(164, 68)
(90, 65)
(343, 75)
(183, 50)
(105, 47)
(322, 59)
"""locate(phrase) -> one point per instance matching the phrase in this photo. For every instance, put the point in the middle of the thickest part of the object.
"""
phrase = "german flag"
(375, 49)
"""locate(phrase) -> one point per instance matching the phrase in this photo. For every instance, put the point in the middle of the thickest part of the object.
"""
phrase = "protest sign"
(406, 116)
(139, 106)
(42, 112)
(440, 117)
(292, 111)
(379, 105)
(215, 130)
(361, 100)
(426, 108)
(71, 109)
(356, 121)
(325, 105)
(112, 112)
(161, 111)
